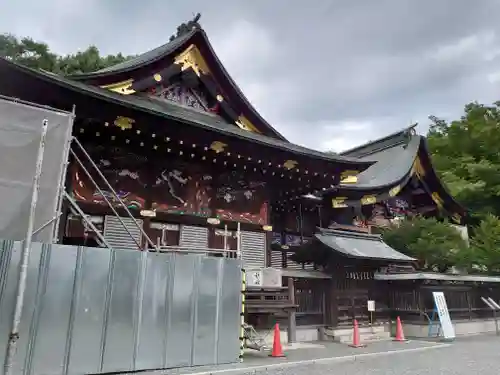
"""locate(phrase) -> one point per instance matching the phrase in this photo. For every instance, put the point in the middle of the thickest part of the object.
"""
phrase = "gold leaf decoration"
(456, 218)
(339, 202)
(123, 87)
(218, 146)
(349, 180)
(395, 191)
(368, 199)
(437, 199)
(245, 124)
(348, 173)
(290, 164)
(418, 169)
(192, 58)
(124, 122)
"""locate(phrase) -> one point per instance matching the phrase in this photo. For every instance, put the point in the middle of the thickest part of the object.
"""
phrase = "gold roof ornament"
(418, 169)
(349, 177)
(218, 146)
(349, 180)
(368, 199)
(123, 122)
(243, 123)
(395, 191)
(437, 199)
(339, 202)
(349, 173)
(157, 77)
(192, 58)
(456, 218)
(219, 98)
(122, 87)
(290, 164)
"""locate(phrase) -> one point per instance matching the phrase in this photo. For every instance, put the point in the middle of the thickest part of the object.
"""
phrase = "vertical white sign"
(444, 315)
(371, 305)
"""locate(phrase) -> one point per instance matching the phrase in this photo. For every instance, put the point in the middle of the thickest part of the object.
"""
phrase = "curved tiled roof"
(195, 36)
(392, 165)
(170, 110)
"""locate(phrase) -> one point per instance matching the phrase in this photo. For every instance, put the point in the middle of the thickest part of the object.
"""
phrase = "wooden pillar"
(292, 317)
(331, 301)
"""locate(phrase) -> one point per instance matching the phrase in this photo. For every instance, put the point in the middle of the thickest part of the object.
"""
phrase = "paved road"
(478, 355)
(474, 355)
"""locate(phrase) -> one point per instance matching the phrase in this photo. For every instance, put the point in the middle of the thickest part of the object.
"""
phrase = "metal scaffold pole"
(23, 265)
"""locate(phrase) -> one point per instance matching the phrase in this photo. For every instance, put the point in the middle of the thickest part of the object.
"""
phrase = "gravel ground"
(473, 355)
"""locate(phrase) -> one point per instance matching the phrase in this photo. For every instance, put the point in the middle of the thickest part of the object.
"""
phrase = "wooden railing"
(464, 301)
(268, 300)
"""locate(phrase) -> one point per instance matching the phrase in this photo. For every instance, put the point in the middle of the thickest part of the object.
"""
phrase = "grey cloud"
(325, 73)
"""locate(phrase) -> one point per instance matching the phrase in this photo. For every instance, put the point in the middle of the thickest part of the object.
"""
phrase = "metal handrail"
(115, 195)
(105, 197)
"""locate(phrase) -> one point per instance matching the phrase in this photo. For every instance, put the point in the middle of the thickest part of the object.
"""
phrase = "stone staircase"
(367, 334)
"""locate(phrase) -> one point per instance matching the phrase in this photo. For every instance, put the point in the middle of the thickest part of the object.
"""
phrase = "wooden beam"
(161, 77)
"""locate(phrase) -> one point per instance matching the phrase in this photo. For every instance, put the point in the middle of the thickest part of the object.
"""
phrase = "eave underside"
(20, 82)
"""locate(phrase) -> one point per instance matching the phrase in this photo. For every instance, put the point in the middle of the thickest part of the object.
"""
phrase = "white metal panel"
(253, 249)
(276, 259)
(194, 237)
(117, 236)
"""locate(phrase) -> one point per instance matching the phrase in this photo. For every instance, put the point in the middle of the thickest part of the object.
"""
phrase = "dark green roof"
(393, 165)
(372, 149)
(197, 36)
(144, 58)
(173, 111)
(359, 245)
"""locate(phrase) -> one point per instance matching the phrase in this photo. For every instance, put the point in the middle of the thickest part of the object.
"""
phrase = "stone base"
(366, 334)
(304, 334)
(462, 328)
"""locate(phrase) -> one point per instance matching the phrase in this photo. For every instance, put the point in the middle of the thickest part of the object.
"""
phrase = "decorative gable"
(183, 95)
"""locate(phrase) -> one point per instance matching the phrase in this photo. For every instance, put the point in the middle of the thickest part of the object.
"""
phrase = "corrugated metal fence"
(90, 310)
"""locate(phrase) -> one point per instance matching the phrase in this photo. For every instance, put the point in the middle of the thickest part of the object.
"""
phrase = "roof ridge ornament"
(186, 27)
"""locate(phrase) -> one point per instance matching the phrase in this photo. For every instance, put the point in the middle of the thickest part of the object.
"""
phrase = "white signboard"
(371, 305)
(444, 315)
(254, 278)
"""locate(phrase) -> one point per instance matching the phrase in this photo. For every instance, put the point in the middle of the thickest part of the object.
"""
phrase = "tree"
(37, 55)
(28, 52)
(465, 155)
(436, 245)
(484, 255)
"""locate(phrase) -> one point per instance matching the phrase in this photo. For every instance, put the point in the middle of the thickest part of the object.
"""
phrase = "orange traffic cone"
(355, 336)
(277, 349)
(400, 336)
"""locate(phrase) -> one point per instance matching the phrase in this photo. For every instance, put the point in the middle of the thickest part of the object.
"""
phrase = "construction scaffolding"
(36, 143)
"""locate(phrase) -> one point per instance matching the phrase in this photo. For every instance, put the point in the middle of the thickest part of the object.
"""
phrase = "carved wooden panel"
(181, 189)
(125, 171)
(180, 94)
(237, 199)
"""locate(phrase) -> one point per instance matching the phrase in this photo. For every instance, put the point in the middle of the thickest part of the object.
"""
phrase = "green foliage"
(484, 254)
(466, 155)
(435, 244)
(37, 55)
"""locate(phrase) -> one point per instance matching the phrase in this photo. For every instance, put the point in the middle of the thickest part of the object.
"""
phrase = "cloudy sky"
(326, 74)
